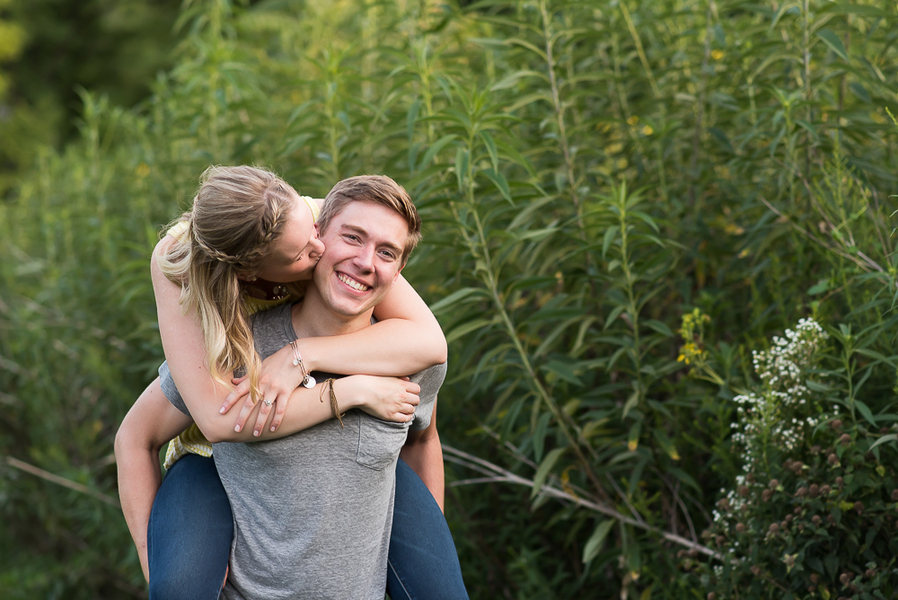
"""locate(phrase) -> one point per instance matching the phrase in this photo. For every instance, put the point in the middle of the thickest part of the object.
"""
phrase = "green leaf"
(544, 469)
(666, 444)
(607, 239)
(491, 149)
(500, 181)
(833, 41)
(865, 411)
(467, 328)
(632, 401)
(594, 544)
(563, 370)
(435, 148)
(457, 296)
(891, 437)
(461, 167)
(819, 287)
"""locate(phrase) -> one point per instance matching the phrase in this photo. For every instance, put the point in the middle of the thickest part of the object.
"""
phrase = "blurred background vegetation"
(589, 173)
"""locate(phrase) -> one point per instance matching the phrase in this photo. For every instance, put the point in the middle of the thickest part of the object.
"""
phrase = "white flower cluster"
(778, 412)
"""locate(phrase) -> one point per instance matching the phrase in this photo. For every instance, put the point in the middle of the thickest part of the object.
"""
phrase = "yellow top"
(192, 440)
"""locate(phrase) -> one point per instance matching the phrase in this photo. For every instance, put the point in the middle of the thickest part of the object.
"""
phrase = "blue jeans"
(423, 563)
(191, 528)
(189, 533)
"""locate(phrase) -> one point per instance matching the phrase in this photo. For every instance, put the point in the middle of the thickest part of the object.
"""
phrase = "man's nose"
(364, 258)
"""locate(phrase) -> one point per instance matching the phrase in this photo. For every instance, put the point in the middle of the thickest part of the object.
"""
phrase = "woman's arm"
(405, 340)
(150, 423)
(182, 341)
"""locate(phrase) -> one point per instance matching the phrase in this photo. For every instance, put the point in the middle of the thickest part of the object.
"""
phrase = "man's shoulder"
(430, 380)
(272, 329)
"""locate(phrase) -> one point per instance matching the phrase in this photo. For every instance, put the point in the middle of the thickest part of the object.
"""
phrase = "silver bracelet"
(307, 380)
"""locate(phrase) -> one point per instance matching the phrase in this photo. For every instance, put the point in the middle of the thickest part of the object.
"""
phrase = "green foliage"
(813, 513)
(587, 173)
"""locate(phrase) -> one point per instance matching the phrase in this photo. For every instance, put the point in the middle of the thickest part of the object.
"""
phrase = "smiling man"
(313, 511)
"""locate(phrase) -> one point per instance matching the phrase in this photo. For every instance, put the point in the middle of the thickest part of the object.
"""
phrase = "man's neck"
(313, 318)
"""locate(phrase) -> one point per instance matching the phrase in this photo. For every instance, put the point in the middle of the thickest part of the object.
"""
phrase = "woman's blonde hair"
(238, 213)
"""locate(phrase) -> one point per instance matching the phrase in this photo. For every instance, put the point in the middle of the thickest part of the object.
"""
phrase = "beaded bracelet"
(329, 384)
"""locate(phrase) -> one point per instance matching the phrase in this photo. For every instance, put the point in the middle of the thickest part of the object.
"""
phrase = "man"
(313, 511)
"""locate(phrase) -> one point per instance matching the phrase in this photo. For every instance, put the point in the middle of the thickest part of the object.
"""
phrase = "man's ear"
(398, 273)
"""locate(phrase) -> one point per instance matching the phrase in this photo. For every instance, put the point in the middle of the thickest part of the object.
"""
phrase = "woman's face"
(294, 255)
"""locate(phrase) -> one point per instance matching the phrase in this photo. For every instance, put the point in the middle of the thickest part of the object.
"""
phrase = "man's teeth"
(352, 283)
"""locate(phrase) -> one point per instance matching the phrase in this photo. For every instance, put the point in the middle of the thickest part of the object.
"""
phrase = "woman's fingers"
(264, 410)
(241, 390)
(280, 410)
(245, 412)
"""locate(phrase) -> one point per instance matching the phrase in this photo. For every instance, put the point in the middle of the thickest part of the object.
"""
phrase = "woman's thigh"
(189, 533)
(423, 563)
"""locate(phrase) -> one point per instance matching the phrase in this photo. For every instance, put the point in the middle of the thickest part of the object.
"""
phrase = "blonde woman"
(249, 243)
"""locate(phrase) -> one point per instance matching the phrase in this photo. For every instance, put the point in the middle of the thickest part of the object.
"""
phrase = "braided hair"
(238, 213)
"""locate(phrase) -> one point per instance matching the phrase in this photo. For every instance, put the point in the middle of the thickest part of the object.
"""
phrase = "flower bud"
(773, 484)
(845, 439)
(859, 507)
(814, 490)
(740, 527)
(832, 458)
(869, 573)
(895, 495)
(845, 578)
(815, 578)
(839, 482)
(756, 571)
(774, 528)
(766, 494)
(743, 491)
(836, 424)
(815, 520)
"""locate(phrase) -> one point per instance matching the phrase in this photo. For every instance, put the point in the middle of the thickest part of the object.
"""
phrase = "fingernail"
(256, 432)
(221, 410)
(272, 428)
(237, 428)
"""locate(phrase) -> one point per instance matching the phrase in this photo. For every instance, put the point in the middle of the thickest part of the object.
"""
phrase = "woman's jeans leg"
(189, 534)
(423, 563)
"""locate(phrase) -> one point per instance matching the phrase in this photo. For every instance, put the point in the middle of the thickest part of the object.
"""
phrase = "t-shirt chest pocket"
(379, 442)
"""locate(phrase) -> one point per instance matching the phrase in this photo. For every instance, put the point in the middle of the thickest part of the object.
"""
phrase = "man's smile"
(356, 285)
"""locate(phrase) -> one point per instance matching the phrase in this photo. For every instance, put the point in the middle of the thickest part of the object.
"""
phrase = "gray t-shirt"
(313, 511)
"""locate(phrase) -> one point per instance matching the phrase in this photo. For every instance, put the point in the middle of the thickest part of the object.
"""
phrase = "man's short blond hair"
(377, 189)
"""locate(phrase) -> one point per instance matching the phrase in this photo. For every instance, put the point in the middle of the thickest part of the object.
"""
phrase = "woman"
(247, 241)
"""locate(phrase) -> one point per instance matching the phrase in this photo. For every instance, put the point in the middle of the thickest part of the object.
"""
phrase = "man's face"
(362, 258)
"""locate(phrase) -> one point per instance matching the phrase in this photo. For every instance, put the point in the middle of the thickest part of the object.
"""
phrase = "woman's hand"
(278, 380)
(387, 398)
